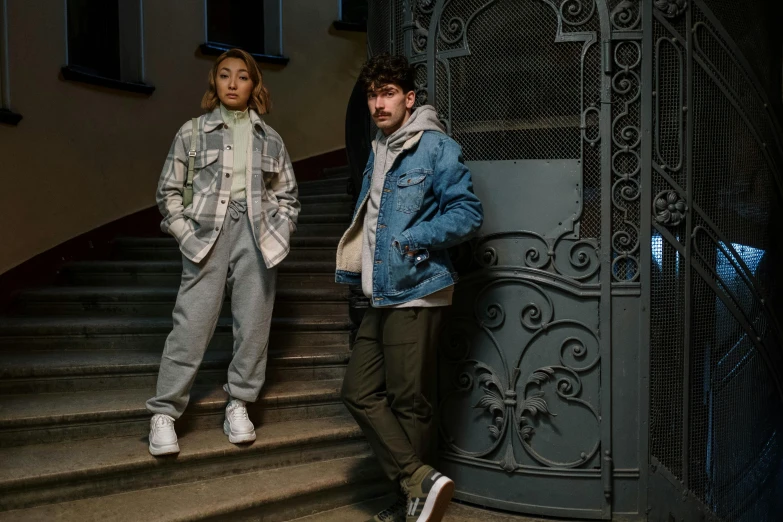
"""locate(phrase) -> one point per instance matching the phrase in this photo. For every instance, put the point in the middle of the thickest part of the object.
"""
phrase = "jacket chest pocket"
(410, 190)
(265, 168)
(205, 170)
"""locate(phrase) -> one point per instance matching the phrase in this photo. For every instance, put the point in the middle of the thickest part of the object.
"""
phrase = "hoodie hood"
(422, 119)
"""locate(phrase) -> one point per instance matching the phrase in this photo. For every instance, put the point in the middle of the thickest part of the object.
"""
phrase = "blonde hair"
(259, 99)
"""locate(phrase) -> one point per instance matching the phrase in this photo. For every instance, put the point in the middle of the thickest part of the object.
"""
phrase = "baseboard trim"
(309, 169)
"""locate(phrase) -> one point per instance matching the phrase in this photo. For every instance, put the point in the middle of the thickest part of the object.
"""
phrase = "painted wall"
(84, 156)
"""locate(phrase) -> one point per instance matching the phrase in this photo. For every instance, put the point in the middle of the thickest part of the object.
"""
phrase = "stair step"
(223, 339)
(45, 473)
(170, 251)
(359, 512)
(270, 494)
(295, 274)
(321, 229)
(159, 301)
(344, 208)
(146, 294)
(336, 185)
(315, 199)
(327, 267)
(51, 417)
(96, 370)
(344, 218)
(337, 172)
(297, 241)
(149, 333)
(128, 325)
(456, 512)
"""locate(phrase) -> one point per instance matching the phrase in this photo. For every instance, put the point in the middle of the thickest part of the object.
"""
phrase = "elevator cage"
(614, 350)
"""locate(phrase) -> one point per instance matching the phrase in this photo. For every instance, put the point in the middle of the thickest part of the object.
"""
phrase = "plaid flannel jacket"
(272, 203)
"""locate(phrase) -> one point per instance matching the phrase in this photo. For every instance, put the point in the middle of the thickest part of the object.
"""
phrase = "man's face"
(389, 106)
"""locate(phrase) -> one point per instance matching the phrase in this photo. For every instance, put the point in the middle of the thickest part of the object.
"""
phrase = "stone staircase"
(78, 361)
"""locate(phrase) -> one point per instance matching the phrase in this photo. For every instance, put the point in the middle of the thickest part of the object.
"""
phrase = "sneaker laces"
(163, 421)
(238, 411)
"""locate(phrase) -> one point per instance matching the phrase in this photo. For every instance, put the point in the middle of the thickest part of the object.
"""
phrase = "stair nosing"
(342, 428)
(298, 481)
(326, 356)
(327, 394)
(157, 294)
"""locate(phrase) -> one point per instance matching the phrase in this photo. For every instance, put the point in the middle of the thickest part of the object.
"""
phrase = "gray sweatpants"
(235, 265)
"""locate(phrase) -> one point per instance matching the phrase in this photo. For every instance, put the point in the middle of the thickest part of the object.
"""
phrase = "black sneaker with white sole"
(429, 494)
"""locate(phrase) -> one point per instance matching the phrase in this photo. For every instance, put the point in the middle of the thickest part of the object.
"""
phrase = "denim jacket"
(427, 206)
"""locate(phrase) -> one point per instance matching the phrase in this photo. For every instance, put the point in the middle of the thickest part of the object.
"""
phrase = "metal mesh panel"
(733, 453)
(716, 56)
(591, 194)
(667, 329)
(378, 26)
(734, 444)
(755, 28)
(399, 35)
(518, 94)
(732, 181)
(734, 449)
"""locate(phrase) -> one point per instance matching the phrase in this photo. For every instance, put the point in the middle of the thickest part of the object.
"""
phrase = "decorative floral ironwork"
(670, 208)
(671, 8)
(515, 406)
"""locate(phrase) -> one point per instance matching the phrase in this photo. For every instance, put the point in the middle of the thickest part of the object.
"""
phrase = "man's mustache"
(377, 114)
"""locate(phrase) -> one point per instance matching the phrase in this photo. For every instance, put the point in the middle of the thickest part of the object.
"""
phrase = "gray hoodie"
(386, 149)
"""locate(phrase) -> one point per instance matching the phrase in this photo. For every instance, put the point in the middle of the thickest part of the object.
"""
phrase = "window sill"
(8, 117)
(76, 75)
(213, 49)
(340, 25)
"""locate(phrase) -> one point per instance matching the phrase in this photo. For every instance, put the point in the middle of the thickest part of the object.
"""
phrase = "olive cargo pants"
(391, 384)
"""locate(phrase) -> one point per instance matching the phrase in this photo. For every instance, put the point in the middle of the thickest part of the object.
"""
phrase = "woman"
(232, 235)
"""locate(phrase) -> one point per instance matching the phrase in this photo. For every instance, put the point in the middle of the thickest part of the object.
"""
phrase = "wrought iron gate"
(715, 183)
(617, 315)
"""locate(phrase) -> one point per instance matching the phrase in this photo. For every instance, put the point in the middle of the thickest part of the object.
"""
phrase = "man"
(415, 202)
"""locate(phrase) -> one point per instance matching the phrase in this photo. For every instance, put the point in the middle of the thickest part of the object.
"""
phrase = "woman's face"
(233, 83)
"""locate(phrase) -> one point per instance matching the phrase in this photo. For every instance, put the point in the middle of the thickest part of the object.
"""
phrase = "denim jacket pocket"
(407, 271)
(410, 190)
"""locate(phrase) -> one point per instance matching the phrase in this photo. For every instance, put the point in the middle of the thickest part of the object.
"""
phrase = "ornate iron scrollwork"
(626, 16)
(626, 161)
(574, 259)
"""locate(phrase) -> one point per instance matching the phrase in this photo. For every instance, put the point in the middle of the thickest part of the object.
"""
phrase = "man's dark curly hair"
(385, 69)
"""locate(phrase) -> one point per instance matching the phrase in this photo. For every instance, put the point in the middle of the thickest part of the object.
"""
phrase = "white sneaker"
(237, 426)
(163, 438)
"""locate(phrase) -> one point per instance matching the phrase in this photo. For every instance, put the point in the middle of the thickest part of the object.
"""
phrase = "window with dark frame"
(353, 11)
(7, 116)
(105, 41)
(3, 57)
(236, 23)
(94, 37)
